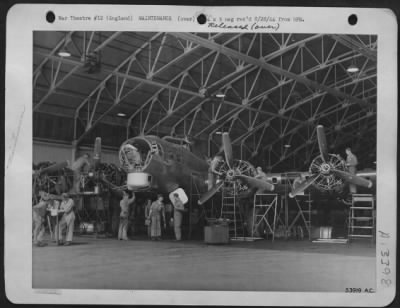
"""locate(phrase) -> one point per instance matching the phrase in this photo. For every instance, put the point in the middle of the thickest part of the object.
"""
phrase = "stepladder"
(362, 216)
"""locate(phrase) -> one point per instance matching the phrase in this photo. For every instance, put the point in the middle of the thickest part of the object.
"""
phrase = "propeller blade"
(226, 142)
(303, 186)
(256, 183)
(205, 197)
(210, 180)
(52, 168)
(97, 152)
(353, 179)
(323, 146)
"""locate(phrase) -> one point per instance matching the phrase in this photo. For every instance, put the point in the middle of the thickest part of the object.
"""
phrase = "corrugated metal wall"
(43, 151)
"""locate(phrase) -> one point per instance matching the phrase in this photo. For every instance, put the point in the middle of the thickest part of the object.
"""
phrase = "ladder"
(361, 222)
(263, 204)
(230, 210)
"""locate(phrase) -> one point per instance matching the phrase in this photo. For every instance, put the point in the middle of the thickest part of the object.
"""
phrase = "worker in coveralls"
(38, 218)
(351, 163)
(67, 220)
(178, 214)
(124, 215)
(156, 210)
(77, 167)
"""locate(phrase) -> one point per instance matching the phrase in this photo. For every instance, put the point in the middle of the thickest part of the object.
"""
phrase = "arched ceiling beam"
(180, 74)
(56, 83)
(272, 68)
(60, 44)
(297, 105)
(356, 46)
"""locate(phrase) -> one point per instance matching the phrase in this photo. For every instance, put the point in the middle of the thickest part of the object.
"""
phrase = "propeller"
(52, 168)
(236, 170)
(323, 146)
(256, 183)
(353, 179)
(205, 197)
(331, 169)
(226, 143)
(304, 185)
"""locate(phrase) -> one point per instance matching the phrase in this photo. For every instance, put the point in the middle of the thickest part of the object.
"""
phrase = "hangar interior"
(254, 99)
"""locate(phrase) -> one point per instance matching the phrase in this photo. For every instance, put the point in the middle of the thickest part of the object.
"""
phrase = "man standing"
(178, 214)
(67, 220)
(260, 174)
(38, 218)
(77, 167)
(351, 163)
(124, 215)
(156, 211)
(134, 157)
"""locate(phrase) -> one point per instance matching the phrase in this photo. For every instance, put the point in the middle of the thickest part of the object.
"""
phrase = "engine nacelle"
(138, 180)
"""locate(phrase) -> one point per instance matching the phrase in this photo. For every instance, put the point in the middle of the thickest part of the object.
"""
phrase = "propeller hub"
(325, 168)
(230, 174)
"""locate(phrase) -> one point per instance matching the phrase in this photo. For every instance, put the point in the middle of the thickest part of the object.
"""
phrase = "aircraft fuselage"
(168, 165)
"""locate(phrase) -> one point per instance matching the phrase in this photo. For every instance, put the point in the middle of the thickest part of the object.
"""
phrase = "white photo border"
(23, 19)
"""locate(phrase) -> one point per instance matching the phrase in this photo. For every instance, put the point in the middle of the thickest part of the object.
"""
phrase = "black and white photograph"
(245, 156)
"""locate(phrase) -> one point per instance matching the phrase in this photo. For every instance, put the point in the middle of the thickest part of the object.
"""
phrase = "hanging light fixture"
(64, 52)
(353, 67)
(220, 94)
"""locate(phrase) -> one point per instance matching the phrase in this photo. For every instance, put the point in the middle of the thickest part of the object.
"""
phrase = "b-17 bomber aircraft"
(166, 164)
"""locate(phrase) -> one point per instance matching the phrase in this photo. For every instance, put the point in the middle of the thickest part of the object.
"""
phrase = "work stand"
(263, 205)
(92, 209)
(303, 205)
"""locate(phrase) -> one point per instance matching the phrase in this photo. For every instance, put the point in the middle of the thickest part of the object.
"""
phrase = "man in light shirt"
(124, 215)
(351, 163)
(178, 215)
(77, 167)
(67, 220)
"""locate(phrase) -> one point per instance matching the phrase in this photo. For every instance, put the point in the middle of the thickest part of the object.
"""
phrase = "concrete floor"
(192, 265)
